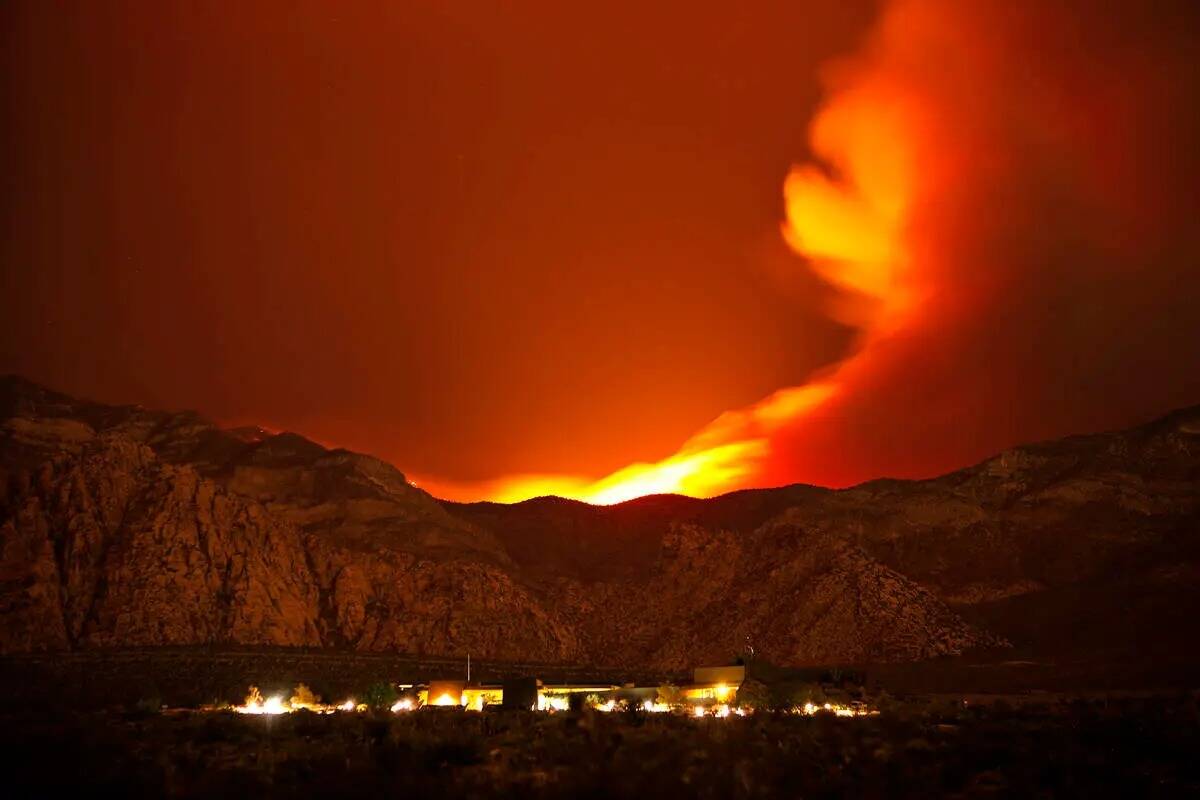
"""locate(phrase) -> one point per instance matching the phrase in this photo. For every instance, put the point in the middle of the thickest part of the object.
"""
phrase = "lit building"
(557, 697)
(444, 693)
(531, 693)
(710, 686)
(714, 684)
(471, 696)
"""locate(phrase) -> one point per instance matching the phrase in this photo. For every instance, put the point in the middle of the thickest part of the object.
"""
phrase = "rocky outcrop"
(131, 551)
(795, 596)
(113, 547)
(387, 600)
(355, 499)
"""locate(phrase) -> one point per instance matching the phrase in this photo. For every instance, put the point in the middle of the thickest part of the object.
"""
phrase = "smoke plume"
(1006, 200)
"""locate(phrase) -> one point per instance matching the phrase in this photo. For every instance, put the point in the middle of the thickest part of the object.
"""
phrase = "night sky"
(488, 239)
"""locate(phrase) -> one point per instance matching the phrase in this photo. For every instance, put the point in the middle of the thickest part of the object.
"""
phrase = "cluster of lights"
(720, 711)
(552, 702)
(272, 705)
(303, 699)
(446, 699)
(723, 710)
(277, 705)
(809, 709)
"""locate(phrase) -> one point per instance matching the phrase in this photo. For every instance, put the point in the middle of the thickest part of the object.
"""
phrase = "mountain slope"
(793, 594)
(130, 551)
(114, 547)
(1084, 547)
(356, 499)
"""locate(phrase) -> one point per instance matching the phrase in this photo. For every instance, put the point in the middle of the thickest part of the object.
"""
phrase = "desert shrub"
(671, 695)
(453, 751)
(753, 694)
(1126, 749)
(380, 696)
(885, 703)
(304, 696)
(254, 696)
(811, 693)
(149, 704)
(792, 695)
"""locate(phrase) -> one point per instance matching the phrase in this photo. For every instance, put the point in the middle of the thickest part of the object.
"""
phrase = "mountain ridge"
(1035, 547)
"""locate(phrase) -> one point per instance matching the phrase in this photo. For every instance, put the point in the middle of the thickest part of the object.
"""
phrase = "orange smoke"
(988, 198)
(850, 227)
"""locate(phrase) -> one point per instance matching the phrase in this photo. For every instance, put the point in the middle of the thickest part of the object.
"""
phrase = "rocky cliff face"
(357, 499)
(1085, 547)
(113, 547)
(123, 526)
(795, 595)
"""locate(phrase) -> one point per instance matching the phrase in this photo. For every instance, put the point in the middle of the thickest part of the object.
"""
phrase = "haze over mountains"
(122, 526)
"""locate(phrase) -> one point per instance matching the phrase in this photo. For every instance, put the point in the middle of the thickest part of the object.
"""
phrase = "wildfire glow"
(996, 207)
(848, 217)
(719, 458)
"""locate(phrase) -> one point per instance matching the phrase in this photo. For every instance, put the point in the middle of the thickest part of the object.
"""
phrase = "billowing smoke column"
(1006, 197)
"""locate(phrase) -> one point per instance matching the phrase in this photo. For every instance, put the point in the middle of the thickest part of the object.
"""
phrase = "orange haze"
(543, 240)
(1001, 201)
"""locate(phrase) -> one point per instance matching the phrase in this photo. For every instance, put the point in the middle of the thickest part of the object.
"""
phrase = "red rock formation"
(132, 551)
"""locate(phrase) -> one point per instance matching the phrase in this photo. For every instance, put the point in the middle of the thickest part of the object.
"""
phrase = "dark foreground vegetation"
(1126, 748)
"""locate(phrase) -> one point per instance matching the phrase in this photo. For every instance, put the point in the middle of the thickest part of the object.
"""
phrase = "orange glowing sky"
(539, 250)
